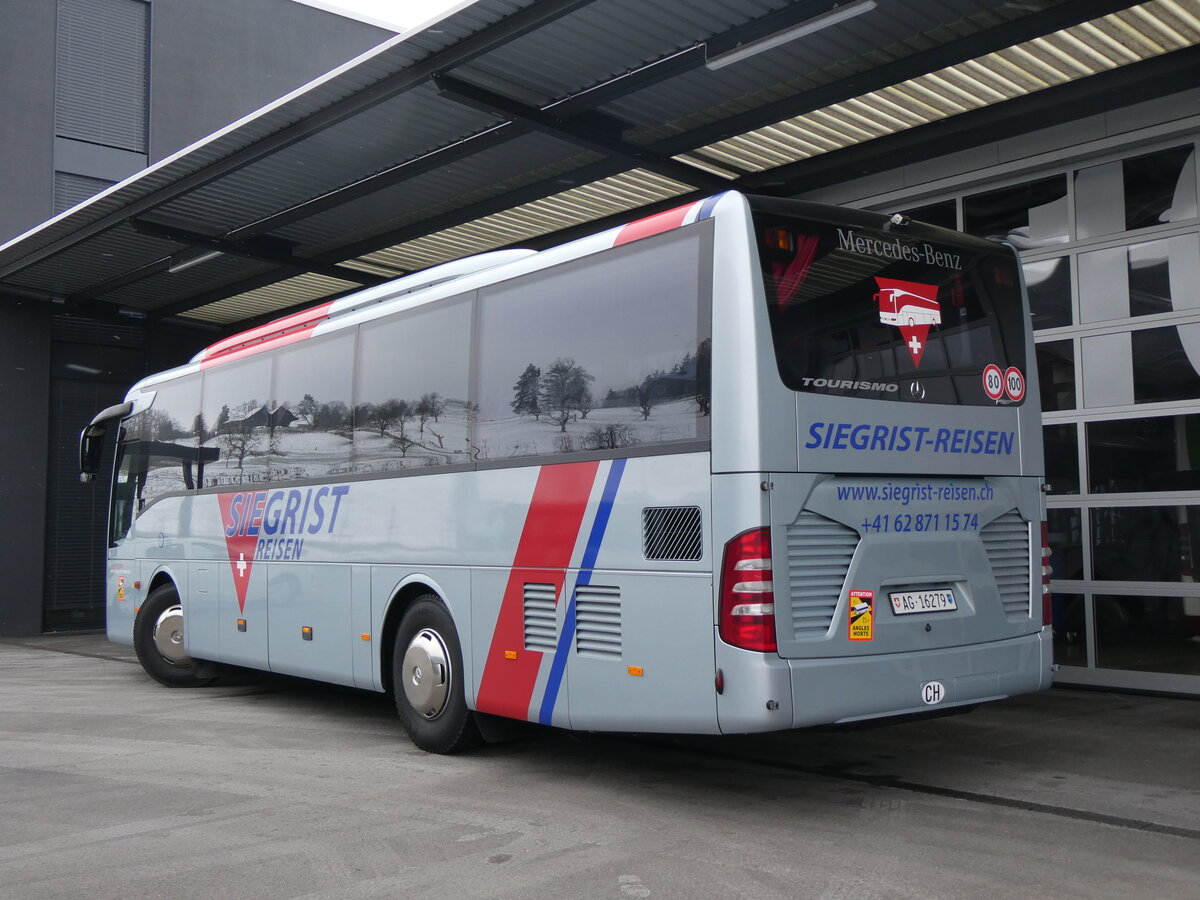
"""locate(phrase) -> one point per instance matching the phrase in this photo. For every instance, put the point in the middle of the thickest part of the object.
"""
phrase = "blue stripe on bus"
(559, 666)
(707, 209)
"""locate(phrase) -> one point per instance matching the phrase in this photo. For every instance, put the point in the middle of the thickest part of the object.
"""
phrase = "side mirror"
(91, 447)
(91, 440)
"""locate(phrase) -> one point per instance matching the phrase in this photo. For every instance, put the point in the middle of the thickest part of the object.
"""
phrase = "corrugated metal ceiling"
(514, 120)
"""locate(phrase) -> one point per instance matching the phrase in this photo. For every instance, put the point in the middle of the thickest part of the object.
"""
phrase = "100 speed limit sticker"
(998, 384)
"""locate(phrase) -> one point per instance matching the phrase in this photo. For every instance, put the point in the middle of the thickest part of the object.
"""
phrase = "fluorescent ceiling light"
(816, 23)
(179, 265)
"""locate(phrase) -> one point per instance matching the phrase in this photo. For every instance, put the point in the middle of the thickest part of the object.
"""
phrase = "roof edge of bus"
(864, 218)
(294, 326)
(300, 325)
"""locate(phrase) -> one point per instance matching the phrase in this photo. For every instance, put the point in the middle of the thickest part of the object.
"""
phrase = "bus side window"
(236, 423)
(157, 453)
(309, 417)
(607, 353)
(127, 486)
(412, 407)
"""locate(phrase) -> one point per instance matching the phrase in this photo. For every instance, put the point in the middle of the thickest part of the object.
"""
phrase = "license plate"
(906, 603)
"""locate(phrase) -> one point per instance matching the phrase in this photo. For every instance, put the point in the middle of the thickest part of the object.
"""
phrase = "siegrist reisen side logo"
(273, 525)
(912, 307)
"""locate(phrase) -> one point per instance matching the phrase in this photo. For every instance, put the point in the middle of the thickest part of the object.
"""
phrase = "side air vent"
(598, 621)
(672, 532)
(540, 629)
(1006, 542)
(819, 551)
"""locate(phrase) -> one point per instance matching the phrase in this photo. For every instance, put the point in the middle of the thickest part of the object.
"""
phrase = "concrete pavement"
(265, 787)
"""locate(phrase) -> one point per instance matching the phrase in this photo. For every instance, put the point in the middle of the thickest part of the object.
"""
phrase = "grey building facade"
(92, 91)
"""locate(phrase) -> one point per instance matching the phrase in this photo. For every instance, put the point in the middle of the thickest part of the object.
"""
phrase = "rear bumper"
(850, 689)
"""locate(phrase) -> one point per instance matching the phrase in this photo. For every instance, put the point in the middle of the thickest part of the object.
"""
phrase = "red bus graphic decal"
(912, 307)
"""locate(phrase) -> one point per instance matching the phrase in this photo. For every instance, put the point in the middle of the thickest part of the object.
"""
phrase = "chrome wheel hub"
(168, 636)
(426, 671)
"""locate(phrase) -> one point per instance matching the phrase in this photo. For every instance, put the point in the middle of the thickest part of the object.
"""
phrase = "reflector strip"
(289, 329)
(652, 225)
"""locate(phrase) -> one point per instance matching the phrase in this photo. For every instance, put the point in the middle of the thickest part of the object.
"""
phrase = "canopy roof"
(519, 122)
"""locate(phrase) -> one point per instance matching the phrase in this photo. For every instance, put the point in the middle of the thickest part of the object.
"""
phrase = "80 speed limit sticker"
(997, 384)
(993, 382)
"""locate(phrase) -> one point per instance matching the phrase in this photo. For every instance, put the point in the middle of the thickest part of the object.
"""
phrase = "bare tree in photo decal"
(564, 388)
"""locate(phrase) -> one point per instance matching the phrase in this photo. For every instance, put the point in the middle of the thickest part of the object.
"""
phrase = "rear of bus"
(877, 466)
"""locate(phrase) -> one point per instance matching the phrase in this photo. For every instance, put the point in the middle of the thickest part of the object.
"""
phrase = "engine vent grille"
(819, 551)
(540, 622)
(1006, 542)
(672, 532)
(598, 621)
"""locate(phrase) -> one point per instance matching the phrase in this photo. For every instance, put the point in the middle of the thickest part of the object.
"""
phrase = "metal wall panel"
(100, 94)
(70, 190)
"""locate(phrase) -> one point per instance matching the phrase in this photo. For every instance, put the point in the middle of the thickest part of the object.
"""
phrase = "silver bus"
(686, 475)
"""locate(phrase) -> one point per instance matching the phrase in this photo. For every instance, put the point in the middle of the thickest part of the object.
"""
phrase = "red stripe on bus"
(548, 538)
(296, 327)
(651, 225)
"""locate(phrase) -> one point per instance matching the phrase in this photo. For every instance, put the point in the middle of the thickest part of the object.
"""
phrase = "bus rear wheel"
(427, 679)
(158, 640)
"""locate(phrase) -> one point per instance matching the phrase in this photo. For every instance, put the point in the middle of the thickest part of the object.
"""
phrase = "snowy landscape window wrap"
(411, 408)
(237, 421)
(311, 427)
(609, 353)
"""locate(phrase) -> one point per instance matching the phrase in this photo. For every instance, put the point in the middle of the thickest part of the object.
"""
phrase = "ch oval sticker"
(933, 693)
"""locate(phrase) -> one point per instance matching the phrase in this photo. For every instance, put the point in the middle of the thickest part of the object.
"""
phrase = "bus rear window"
(915, 314)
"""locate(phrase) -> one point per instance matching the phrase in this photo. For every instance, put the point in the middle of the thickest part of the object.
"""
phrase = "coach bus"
(685, 475)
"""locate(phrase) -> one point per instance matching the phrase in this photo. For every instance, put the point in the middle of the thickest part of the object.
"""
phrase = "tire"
(427, 679)
(158, 640)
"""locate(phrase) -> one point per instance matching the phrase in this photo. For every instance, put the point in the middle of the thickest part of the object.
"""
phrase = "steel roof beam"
(262, 249)
(1000, 37)
(216, 294)
(19, 293)
(91, 295)
(589, 132)
(501, 202)
(613, 89)
(622, 85)
(428, 162)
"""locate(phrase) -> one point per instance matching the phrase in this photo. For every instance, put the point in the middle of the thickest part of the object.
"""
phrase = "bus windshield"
(912, 314)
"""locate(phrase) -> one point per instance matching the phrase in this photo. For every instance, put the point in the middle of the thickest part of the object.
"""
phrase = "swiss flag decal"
(241, 551)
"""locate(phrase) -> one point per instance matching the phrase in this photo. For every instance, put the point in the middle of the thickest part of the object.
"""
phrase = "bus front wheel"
(158, 640)
(427, 673)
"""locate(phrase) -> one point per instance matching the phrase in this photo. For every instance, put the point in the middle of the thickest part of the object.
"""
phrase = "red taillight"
(747, 617)
(1047, 603)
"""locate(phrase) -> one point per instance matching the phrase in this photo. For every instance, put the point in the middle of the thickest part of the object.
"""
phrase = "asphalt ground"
(265, 787)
